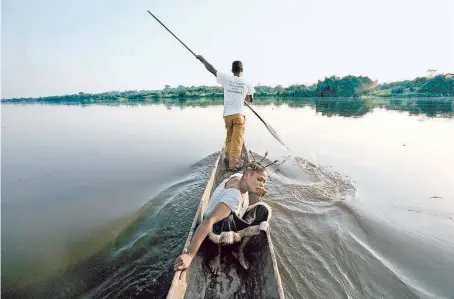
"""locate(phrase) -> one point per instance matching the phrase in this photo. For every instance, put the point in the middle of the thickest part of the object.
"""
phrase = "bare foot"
(241, 259)
(216, 265)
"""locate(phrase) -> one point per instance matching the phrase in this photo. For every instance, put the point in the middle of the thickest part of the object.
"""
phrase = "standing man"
(236, 91)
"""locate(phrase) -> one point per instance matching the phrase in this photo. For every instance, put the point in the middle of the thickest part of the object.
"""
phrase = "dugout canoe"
(261, 280)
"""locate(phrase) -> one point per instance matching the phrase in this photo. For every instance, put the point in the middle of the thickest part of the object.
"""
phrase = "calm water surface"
(97, 200)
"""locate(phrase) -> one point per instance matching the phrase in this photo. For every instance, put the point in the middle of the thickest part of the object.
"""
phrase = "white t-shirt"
(230, 196)
(235, 91)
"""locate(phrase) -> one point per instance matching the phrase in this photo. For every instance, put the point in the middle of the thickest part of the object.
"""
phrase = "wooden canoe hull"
(261, 280)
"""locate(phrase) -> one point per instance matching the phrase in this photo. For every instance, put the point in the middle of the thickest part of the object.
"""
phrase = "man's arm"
(219, 213)
(250, 94)
(208, 66)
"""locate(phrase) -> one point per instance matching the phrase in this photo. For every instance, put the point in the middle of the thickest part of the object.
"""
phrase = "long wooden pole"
(270, 129)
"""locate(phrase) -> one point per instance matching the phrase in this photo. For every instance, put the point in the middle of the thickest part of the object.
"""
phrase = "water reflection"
(440, 107)
(347, 107)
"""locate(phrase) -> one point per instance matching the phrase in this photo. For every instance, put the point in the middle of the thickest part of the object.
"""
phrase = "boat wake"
(138, 264)
(322, 242)
(325, 245)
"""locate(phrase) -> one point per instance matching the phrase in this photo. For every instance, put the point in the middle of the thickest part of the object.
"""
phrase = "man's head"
(255, 176)
(237, 68)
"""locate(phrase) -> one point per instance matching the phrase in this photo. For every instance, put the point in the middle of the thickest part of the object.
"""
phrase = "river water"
(97, 200)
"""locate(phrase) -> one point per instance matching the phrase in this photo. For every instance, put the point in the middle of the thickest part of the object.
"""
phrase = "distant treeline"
(346, 87)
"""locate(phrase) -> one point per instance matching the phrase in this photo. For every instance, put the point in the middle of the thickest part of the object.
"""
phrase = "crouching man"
(229, 218)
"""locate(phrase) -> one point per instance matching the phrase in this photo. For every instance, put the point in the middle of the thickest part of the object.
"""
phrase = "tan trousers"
(234, 125)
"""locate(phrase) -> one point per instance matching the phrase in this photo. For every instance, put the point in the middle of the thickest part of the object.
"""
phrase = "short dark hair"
(237, 66)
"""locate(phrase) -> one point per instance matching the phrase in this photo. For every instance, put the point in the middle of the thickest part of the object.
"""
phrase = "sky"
(55, 47)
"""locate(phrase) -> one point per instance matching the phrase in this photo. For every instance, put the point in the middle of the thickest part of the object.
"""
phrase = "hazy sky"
(55, 47)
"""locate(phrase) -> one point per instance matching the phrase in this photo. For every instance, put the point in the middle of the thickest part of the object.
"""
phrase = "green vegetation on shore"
(347, 87)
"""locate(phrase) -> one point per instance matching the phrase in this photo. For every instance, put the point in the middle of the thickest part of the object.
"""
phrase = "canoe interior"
(261, 280)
